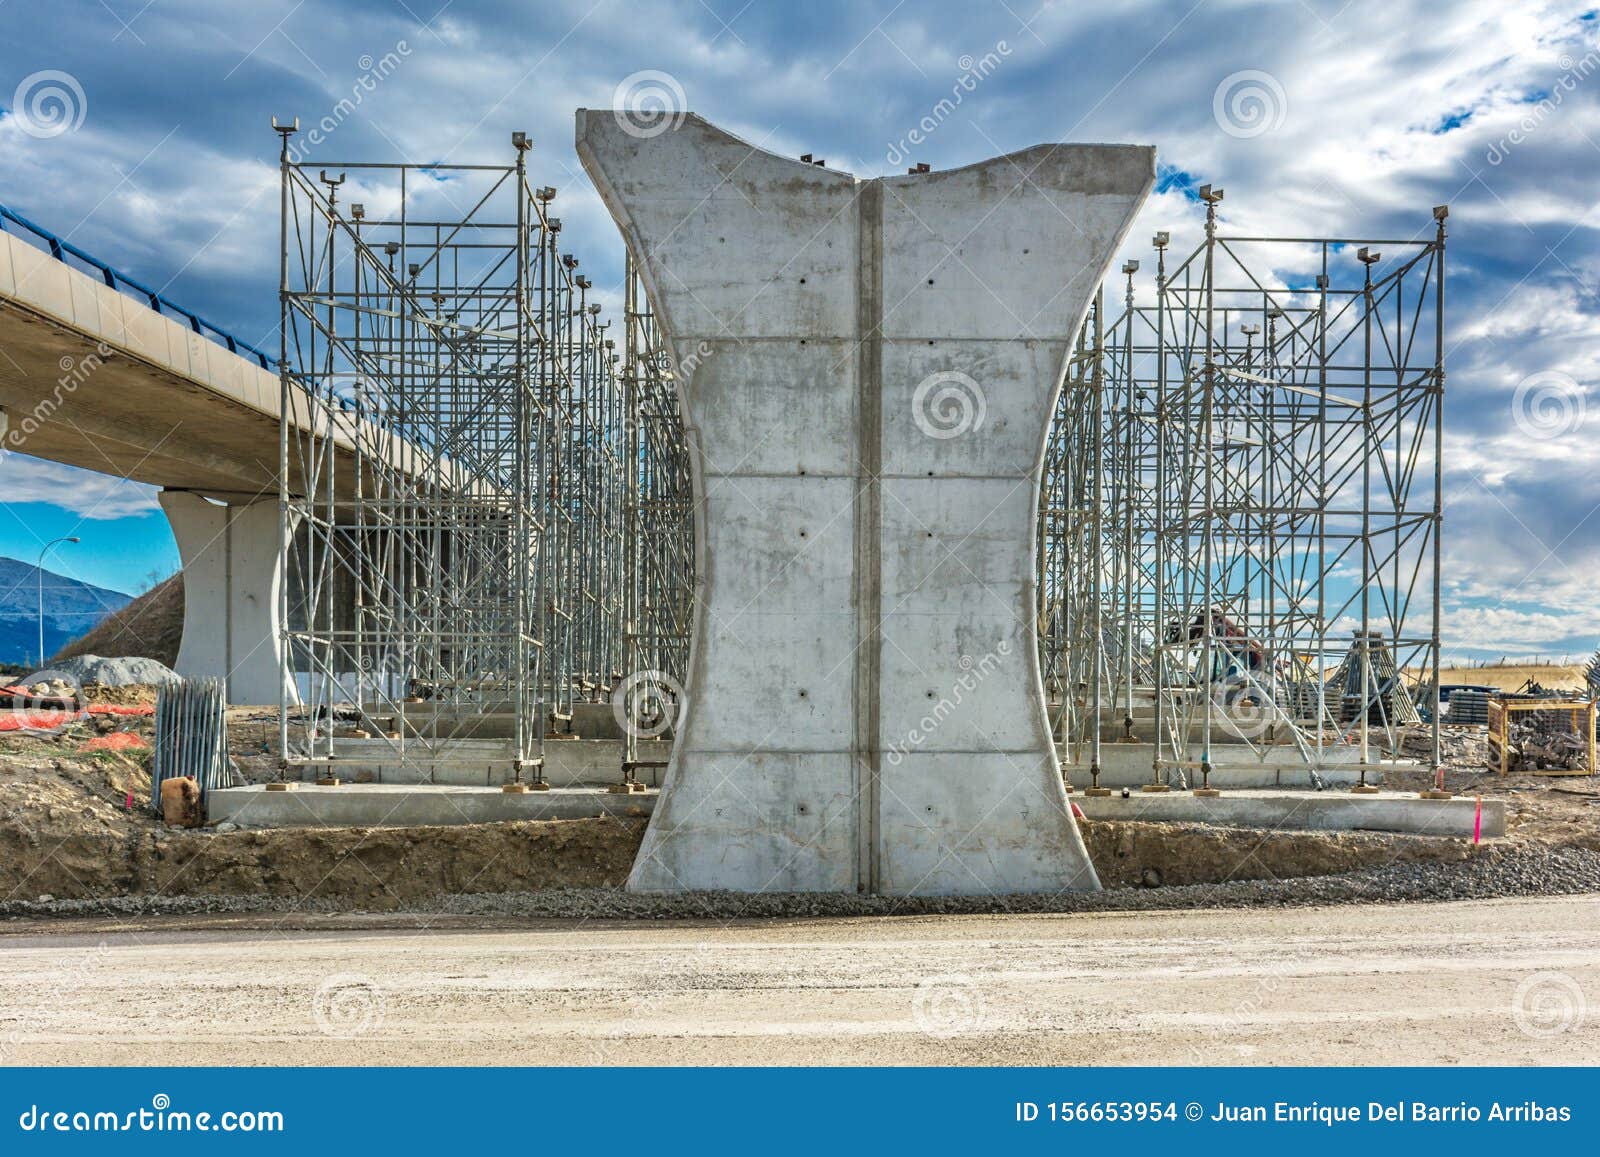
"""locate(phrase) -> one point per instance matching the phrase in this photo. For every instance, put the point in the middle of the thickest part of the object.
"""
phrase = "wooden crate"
(1503, 711)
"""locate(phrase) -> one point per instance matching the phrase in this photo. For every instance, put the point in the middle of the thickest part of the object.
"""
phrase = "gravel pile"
(109, 672)
(1495, 873)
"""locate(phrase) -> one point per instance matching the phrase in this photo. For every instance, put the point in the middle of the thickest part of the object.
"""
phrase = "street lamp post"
(39, 574)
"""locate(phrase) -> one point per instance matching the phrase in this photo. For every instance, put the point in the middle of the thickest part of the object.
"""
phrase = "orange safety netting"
(36, 720)
(116, 741)
(46, 719)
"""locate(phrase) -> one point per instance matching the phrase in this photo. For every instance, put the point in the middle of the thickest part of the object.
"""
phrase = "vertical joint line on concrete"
(869, 521)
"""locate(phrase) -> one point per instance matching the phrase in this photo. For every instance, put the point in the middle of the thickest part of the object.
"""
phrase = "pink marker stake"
(1477, 822)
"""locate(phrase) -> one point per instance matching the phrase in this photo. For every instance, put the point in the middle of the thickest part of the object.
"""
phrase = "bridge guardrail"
(62, 249)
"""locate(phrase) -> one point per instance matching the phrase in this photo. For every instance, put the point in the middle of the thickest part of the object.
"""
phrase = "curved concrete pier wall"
(868, 369)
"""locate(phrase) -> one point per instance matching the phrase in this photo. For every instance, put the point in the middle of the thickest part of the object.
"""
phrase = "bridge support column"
(230, 593)
(868, 370)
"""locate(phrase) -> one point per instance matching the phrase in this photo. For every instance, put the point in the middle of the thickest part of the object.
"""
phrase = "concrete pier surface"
(868, 370)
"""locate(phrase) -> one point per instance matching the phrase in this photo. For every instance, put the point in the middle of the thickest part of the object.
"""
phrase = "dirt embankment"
(67, 831)
(78, 827)
(75, 825)
(1156, 855)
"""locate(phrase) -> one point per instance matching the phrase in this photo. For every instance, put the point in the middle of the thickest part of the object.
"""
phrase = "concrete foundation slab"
(1128, 765)
(488, 763)
(1315, 811)
(399, 805)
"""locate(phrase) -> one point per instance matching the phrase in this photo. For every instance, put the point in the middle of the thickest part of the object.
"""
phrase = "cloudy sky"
(1320, 117)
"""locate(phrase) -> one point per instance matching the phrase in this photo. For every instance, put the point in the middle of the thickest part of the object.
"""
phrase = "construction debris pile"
(59, 708)
(1548, 741)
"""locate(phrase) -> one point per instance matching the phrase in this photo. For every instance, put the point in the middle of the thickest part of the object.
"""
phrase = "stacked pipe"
(191, 738)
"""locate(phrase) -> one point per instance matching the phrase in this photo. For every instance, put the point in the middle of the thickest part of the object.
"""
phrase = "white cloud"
(84, 492)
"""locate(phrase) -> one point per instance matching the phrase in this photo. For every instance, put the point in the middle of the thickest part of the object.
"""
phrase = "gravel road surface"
(1475, 982)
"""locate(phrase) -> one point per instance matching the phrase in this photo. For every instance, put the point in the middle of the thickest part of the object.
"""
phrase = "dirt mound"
(112, 671)
(150, 626)
(131, 695)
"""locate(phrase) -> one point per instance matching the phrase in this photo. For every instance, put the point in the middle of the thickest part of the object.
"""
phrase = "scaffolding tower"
(466, 467)
(1239, 524)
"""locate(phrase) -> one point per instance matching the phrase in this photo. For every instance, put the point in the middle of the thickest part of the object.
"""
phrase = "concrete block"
(85, 304)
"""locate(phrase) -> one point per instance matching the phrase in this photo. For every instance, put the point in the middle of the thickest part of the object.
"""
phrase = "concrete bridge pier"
(230, 592)
(868, 369)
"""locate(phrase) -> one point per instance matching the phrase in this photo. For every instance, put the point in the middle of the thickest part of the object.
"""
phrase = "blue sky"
(1378, 111)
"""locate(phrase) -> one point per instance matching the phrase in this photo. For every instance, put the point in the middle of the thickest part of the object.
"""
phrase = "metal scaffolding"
(467, 472)
(1239, 524)
(660, 530)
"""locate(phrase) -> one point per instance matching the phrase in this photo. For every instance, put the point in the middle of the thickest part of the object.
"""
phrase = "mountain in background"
(71, 608)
